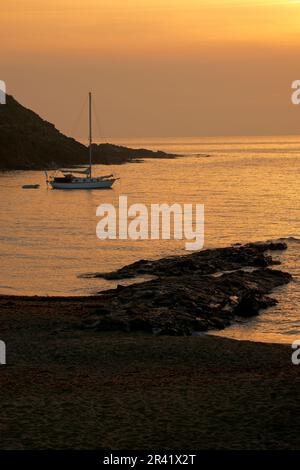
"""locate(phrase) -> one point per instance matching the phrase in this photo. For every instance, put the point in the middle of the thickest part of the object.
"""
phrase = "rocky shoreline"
(71, 383)
(197, 292)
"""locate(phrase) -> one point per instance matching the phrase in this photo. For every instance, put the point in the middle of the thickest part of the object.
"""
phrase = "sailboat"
(69, 180)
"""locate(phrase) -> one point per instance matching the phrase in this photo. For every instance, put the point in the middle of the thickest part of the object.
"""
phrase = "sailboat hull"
(83, 184)
(69, 181)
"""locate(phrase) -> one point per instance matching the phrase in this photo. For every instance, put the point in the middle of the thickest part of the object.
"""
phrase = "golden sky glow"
(44, 40)
(132, 26)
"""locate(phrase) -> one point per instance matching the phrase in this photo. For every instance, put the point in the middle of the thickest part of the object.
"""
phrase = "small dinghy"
(30, 186)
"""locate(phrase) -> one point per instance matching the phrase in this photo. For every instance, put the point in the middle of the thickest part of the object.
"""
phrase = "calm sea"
(250, 188)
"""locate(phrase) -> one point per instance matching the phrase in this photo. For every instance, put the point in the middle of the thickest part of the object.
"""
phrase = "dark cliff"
(29, 142)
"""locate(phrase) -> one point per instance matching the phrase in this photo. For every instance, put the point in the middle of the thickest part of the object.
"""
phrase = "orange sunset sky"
(156, 67)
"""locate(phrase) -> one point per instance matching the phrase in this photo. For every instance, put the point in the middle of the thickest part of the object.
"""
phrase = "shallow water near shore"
(250, 189)
(279, 324)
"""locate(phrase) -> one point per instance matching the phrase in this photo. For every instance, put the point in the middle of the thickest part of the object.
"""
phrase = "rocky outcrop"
(108, 154)
(29, 142)
(201, 291)
(202, 262)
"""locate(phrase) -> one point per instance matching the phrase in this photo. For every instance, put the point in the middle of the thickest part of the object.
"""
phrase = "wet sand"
(68, 388)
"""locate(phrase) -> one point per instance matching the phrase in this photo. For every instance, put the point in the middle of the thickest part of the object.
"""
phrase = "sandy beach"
(68, 388)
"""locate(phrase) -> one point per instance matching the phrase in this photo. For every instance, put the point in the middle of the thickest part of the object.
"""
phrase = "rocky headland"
(29, 142)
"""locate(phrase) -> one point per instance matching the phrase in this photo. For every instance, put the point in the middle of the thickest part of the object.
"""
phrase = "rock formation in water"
(29, 142)
(115, 154)
(196, 292)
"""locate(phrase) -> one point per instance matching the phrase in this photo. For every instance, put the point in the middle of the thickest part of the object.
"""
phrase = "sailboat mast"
(90, 131)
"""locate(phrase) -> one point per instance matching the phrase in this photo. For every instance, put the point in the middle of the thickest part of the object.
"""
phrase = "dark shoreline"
(197, 292)
(200, 291)
(70, 385)
(65, 388)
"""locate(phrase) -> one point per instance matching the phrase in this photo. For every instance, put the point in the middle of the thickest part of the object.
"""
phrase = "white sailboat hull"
(84, 183)
(69, 181)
